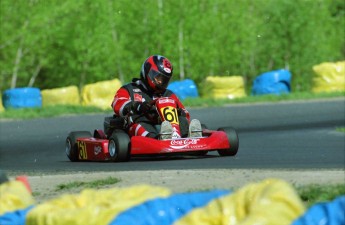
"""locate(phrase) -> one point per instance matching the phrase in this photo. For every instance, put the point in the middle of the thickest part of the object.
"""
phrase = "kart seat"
(111, 123)
(99, 134)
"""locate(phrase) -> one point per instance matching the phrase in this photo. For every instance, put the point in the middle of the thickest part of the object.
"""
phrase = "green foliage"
(52, 43)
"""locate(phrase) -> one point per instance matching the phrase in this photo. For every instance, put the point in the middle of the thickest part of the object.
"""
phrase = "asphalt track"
(290, 135)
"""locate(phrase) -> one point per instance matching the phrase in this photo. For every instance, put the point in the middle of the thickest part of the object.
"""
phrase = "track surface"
(291, 135)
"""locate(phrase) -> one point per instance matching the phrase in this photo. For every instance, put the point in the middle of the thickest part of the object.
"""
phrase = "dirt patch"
(45, 187)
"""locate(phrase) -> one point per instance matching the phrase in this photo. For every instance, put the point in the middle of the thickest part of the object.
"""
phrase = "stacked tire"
(22, 98)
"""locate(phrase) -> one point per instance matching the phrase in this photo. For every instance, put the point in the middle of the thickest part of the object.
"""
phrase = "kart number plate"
(82, 150)
(170, 114)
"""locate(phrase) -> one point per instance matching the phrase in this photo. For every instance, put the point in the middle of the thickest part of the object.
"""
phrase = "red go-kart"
(114, 144)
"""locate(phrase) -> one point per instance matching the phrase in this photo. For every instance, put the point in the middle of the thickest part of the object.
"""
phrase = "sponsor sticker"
(138, 97)
(167, 66)
(97, 149)
(186, 143)
(175, 134)
(166, 100)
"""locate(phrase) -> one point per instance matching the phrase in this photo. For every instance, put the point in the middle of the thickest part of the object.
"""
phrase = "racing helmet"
(156, 72)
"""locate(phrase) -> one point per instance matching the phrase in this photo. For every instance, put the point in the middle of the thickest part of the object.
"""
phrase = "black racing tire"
(71, 144)
(119, 146)
(233, 141)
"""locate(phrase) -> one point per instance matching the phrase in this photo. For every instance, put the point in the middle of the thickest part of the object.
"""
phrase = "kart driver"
(132, 101)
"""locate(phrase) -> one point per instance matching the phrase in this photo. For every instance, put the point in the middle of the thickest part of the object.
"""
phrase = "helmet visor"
(160, 80)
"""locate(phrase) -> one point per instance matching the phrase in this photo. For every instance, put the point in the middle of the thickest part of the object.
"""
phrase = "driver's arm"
(122, 102)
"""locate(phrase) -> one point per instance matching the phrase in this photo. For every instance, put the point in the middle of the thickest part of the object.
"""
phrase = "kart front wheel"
(233, 142)
(71, 144)
(118, 146)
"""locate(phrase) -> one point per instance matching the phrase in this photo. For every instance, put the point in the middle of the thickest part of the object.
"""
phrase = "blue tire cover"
(22, 98)
(273, 82)
(184, 89)
(326, 213)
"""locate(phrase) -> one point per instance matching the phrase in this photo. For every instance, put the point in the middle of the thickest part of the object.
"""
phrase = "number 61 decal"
(82, 150)
(170, 114)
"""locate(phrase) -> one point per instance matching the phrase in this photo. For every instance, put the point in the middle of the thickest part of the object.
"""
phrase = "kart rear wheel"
(119, 146)
(233, 141)
(71, 144)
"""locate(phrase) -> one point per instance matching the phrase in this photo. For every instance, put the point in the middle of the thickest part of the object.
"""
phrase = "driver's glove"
(141, 107)
(181, 112)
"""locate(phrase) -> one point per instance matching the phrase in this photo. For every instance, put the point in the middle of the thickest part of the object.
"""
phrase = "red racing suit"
(141, 125)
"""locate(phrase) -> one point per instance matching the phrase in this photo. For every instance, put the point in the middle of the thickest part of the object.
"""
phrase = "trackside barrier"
(328, 213)
(100, 94)
(268, 202)
(271, 201)
(14, 195)
(272, 82)
(61, 96)
(223, 87)
(184, 89)
(22, 98)
(329, 77)
(93, 206)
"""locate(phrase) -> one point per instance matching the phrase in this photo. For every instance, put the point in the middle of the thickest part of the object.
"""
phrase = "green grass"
(312, 194)
(340, 129)
(91, 184)
(59, 110)
(49, 111)
(260, 98)
(309, 194)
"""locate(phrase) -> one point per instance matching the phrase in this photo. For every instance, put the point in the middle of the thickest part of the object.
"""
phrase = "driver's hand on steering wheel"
(141, 107)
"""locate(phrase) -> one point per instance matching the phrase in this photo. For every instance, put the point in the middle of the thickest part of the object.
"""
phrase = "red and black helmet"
(156, 72)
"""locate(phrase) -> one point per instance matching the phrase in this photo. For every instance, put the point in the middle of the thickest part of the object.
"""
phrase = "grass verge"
(340, 129)
(312, 194)
(52, 111)
(205, 102)
(92, 184)
(309, 194)
(48, 111)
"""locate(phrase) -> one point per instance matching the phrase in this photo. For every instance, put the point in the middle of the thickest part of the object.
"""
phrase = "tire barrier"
(224, 87)
(61, 96)
(272, 82)
(329, 77)
(184, 89)
(14, 196)
(22, 98)
(328, 213)
(271, 201)
(100, 94)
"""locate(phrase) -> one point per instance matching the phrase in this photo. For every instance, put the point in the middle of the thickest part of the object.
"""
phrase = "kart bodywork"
(82, 146)
(114, 144)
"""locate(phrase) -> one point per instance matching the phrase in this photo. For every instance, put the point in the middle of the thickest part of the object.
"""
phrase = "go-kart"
(114, 144)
